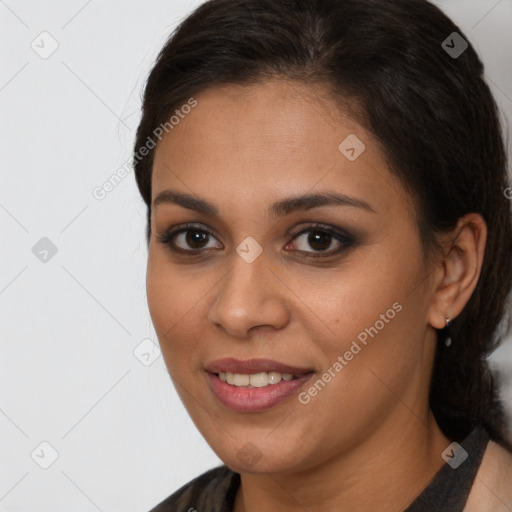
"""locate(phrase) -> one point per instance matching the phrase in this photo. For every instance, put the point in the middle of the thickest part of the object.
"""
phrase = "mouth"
(256, 384)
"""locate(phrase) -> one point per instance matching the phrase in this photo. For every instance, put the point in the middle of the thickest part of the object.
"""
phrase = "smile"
(254, 385)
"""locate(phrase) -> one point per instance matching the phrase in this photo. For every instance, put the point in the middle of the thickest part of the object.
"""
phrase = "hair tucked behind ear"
(433, 114)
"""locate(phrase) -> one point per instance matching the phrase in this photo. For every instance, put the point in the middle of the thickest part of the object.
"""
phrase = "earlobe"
(459, 270)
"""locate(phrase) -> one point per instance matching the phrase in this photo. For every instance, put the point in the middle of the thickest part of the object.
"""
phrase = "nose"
(250, 296)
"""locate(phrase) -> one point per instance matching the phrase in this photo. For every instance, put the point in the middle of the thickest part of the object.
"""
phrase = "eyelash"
(342, 237)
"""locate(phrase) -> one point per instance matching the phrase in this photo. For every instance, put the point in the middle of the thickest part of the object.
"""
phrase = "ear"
(460, 269)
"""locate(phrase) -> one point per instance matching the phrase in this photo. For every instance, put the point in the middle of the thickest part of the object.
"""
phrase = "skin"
(367, 441)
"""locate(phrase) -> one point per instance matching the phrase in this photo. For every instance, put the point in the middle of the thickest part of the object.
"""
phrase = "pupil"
(316, 238)
(195, 237)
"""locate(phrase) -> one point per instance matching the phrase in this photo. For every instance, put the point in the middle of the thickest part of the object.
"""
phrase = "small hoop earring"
(448, 340)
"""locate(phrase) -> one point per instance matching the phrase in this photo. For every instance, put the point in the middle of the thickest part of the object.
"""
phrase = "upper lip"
(248, 366)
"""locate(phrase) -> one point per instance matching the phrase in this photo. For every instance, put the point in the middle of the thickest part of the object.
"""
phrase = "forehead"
(270, 140)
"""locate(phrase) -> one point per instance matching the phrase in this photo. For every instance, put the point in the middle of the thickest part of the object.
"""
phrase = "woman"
(330, 255)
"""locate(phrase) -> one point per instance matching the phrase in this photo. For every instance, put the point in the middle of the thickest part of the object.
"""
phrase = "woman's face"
(338, 291)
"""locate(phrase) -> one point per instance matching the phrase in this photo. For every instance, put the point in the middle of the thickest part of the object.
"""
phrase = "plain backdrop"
(89, 419)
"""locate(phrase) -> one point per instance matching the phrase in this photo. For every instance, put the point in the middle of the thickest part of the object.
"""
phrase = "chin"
(259, 457)
(262, 466)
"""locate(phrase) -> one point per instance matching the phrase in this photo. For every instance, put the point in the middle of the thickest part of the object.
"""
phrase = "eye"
(190, 239)
(187, 238)
(320, 238)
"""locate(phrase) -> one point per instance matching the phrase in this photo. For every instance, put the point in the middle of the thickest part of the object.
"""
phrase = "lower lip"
(243, 399)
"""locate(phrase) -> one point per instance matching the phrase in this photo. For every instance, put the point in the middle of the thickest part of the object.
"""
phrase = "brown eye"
(192, 240)
(187, 239)
(320, 240)
(195, 239)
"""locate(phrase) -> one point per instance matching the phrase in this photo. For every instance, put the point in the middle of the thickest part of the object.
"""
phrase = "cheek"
(160, 294)
(372, 315)
(178, 298)
(343, 303)
(171, 302)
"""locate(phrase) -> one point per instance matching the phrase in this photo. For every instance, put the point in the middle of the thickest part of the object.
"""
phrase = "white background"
(69, 327)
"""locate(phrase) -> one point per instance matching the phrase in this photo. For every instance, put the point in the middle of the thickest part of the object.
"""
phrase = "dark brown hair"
(432, 112)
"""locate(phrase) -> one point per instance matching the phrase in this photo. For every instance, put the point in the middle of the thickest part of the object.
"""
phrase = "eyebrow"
(279, 209)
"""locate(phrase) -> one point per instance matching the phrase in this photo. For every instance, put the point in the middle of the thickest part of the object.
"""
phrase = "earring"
(448, 340)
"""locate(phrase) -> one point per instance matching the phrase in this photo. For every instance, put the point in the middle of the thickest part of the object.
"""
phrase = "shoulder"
(492, 489)
(208, 491)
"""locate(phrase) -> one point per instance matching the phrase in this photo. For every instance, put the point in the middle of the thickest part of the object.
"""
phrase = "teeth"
(255, 380)
(241, 379)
